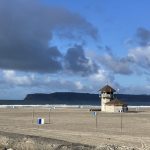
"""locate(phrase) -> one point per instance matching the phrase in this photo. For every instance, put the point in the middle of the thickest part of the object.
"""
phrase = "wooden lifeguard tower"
(108, 102)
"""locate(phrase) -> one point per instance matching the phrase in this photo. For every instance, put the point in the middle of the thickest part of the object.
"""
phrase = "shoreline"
(66, 106)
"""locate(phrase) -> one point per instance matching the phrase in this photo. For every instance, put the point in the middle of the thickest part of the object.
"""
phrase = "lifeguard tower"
(108, 102)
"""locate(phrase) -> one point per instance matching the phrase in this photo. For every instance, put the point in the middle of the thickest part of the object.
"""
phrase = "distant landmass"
(70, 98)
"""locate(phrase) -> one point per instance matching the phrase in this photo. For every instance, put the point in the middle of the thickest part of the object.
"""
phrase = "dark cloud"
(26, 27)
(143, 36)
(30, 60)
(77, 27)
(54, 52)
(76, 61)
(108, 50)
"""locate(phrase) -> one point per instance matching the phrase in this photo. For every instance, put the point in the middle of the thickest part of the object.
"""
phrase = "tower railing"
(106, 95)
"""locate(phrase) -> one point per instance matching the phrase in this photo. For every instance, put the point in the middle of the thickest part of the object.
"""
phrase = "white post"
(96, 120)
(121, 117)
(49, 115)
(33, 115)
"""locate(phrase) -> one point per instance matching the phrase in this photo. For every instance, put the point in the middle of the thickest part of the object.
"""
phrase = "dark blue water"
(135, 100)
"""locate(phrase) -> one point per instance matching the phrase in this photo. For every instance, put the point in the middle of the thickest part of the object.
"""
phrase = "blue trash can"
(40, 121)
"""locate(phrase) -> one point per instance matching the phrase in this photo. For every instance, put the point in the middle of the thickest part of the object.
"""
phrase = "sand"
(122, 131)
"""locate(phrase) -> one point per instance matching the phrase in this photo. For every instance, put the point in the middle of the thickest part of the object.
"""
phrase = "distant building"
(109, 103)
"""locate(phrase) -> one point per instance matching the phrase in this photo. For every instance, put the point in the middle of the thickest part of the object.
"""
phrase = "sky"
(74, 46)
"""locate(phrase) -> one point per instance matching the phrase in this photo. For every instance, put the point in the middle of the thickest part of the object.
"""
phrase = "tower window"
(109, 92)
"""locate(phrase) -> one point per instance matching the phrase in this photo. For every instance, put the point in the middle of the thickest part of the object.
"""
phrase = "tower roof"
(115, 102)
(107, 88)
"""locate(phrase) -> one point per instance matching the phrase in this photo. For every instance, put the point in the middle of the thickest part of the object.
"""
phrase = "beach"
(79, 126)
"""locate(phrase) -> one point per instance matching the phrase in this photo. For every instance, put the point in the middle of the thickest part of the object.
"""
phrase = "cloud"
(108, 50)
(117, 65)
(15, 79)
(11, 77)
(72, 26)
(143, 36)
(140, 56)
(100, 76)
(135, 89)
(26, 29)
(79, 85)
(77, 62)
(99, 79)
(137, 59)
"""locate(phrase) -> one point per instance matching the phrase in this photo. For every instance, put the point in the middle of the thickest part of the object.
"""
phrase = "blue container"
(40, 121)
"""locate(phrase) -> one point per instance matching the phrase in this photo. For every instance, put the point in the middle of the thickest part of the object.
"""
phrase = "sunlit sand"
(78, 125)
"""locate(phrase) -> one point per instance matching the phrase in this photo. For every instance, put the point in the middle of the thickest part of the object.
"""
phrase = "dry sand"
(79, 126)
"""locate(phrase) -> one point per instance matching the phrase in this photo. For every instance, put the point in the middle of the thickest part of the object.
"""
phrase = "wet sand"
(126, 130)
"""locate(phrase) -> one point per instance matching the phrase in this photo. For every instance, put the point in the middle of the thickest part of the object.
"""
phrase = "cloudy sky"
(74, 46)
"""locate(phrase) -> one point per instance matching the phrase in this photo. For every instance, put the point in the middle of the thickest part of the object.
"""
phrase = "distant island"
(71, 98)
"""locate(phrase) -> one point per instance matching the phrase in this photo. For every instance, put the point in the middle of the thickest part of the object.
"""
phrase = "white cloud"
(137, 61)
(101, 77)
(141, 56)
(79, 85)
(11, 77)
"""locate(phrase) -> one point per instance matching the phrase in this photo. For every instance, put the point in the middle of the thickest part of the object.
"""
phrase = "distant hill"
(70, 98)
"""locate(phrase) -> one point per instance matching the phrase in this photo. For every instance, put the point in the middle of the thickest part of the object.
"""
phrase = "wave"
(63, 106)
